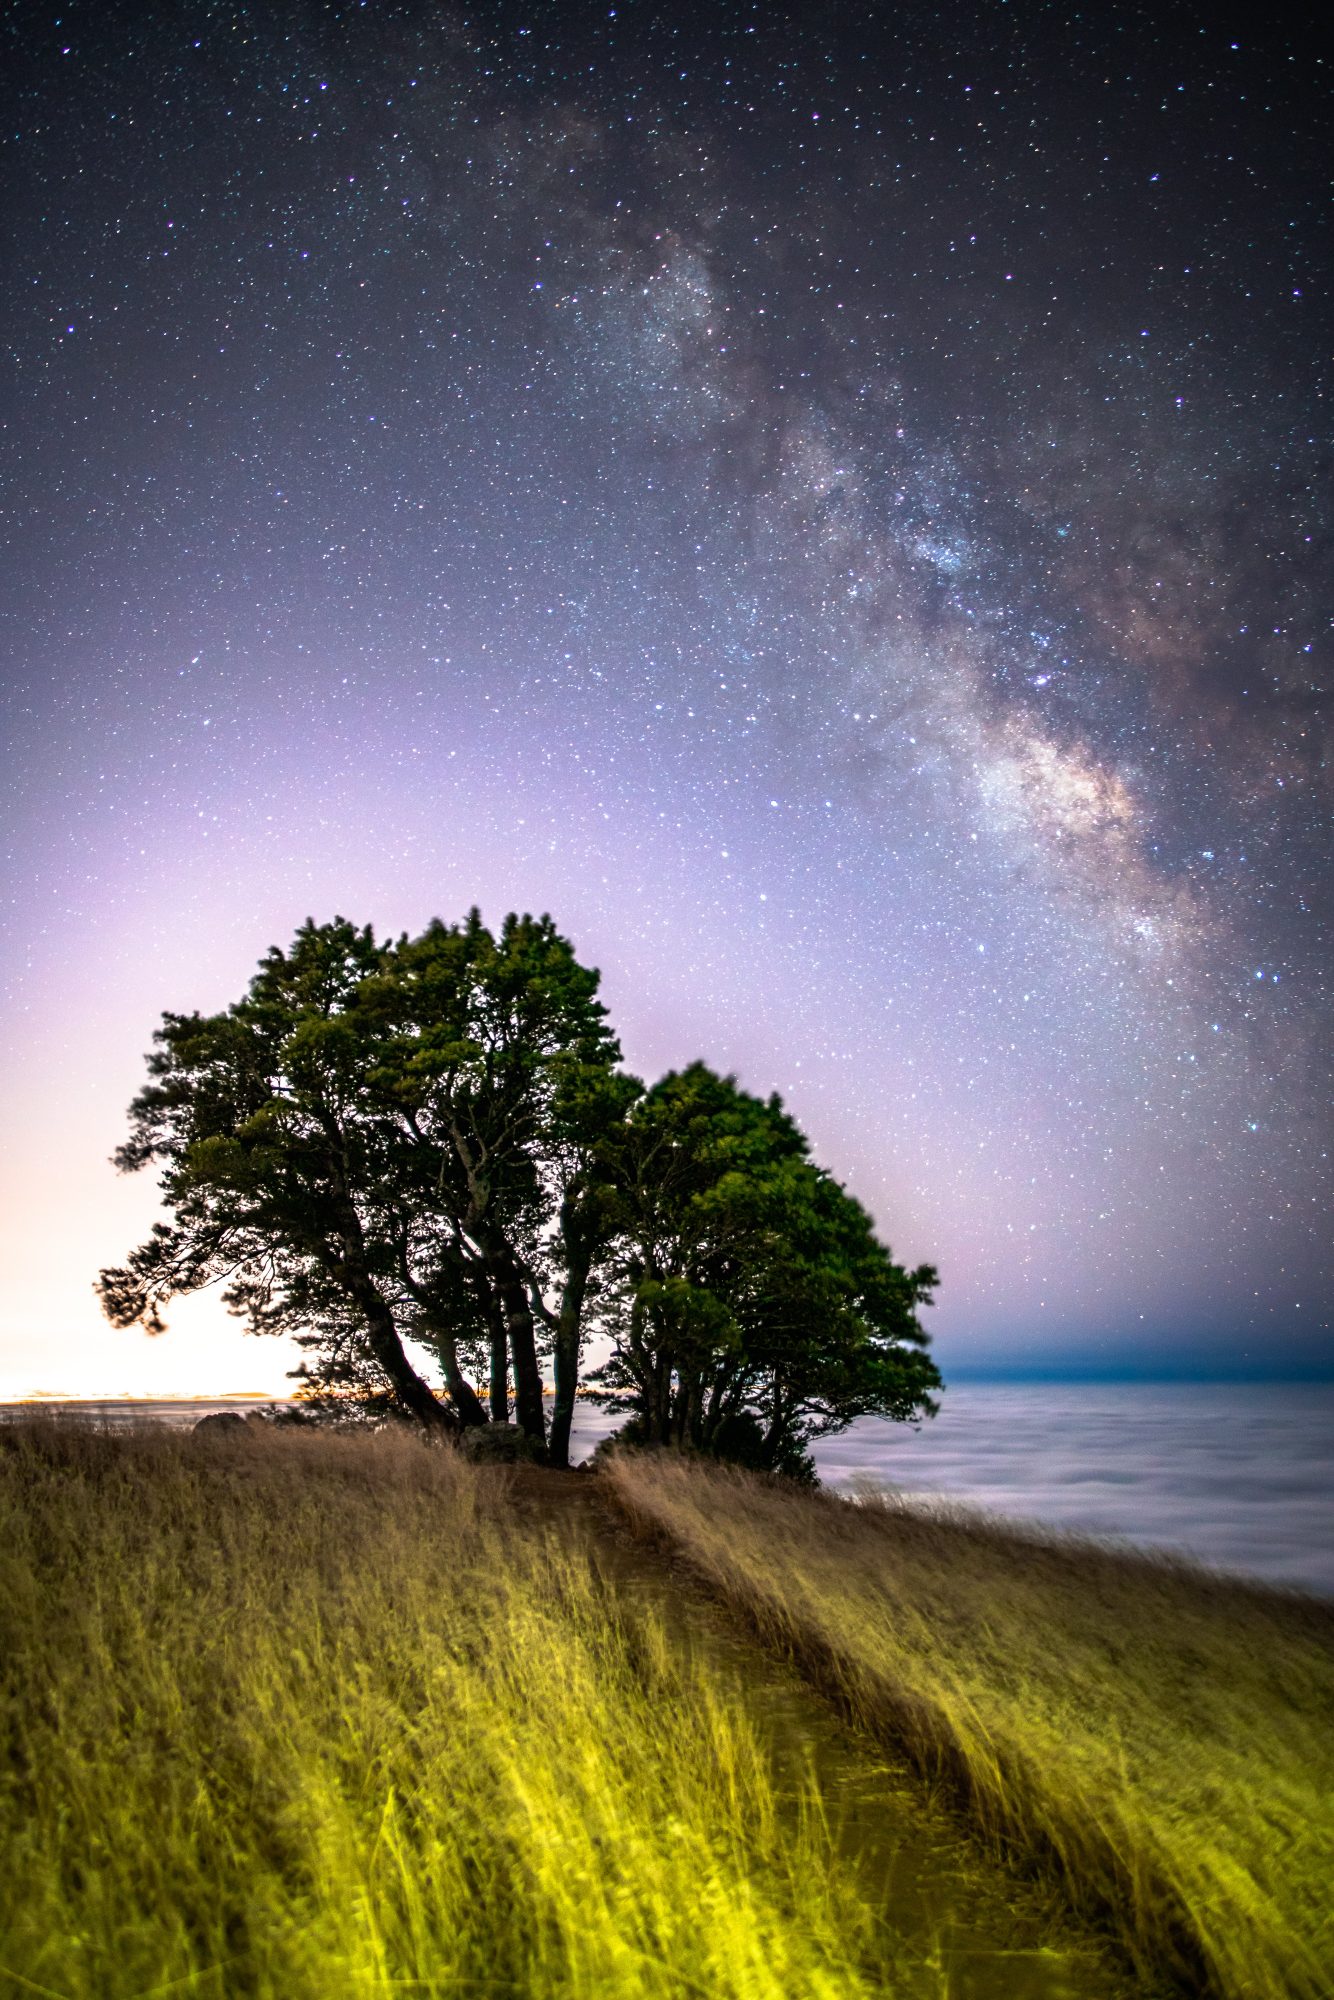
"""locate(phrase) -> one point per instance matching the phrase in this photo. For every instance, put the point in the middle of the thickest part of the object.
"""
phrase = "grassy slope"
(313, 1717)
(1162, 1736)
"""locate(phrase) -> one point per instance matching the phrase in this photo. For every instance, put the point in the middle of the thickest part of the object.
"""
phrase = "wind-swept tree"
(751, 1306)
(275, 1180)
(383, 1141)
(497, 1085)
(428, 1142)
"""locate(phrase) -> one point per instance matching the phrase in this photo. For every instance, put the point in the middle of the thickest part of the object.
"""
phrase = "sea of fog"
(1237, 1475)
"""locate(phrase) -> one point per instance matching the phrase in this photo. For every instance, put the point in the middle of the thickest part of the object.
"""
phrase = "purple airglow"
(738, 513)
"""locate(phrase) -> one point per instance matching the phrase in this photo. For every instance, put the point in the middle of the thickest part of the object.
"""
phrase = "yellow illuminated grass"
(1161, 1737)
(314, 1717)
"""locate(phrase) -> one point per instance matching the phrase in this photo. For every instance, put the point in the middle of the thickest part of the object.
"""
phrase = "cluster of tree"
(431, 1141)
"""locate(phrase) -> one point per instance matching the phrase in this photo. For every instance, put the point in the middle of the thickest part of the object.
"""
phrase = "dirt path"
(987, 1934)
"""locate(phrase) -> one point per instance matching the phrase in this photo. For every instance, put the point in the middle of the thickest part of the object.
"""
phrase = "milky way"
(838, 513)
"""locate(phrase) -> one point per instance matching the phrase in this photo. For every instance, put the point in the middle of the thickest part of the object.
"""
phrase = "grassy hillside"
(299, 1717)
(1158, 1737)
(292, 1717)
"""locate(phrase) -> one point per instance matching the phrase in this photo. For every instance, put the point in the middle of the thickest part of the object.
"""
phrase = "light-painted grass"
(1161, 1737)
(290, 1716)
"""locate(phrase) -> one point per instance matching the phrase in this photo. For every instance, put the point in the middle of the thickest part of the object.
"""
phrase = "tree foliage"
(429, 1143)
(753, 1308)
(279, 1188)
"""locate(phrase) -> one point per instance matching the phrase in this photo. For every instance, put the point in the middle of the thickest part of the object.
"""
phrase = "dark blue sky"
(835, 508)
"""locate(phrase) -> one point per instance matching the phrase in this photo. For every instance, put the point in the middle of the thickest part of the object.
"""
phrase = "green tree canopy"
(384, 1141)
(752, 1308)
(277, 1184)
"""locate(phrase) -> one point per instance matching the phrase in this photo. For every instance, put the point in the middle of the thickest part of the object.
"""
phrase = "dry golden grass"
(290, 1716)
(1159, 1737)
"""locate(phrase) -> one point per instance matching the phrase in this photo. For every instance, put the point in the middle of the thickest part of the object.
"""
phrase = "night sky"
(833, 504)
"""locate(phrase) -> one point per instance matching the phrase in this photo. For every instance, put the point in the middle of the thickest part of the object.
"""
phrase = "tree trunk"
(523, 1349)
(711, 1415)
(384, 1343)
(777, 1419)
(349, 1269)
(498, 1385)
(566, 1356)
(507, 1285)
(467, 1404)
(693, 1422)
(660, 1411)
(500, 1372)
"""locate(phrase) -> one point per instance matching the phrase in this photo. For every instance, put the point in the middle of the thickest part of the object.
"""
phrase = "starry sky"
(831, 503)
